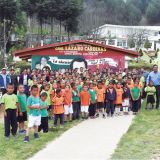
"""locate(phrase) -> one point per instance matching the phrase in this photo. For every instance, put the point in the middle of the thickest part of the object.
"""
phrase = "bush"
(139, 65)
(22, 65)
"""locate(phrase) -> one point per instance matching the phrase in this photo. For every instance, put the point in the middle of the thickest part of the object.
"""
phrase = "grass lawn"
(16, 149)
(142, 141)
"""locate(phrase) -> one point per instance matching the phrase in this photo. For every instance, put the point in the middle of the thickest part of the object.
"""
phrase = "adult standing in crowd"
(4, 80)
(154, 76)
(14, 79)
(23, 79)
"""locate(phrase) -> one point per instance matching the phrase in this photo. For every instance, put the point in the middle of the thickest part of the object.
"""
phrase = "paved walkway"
(90, 140)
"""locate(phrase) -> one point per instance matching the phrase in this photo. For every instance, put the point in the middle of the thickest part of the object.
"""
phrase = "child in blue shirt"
(34, 119)
(110, 97)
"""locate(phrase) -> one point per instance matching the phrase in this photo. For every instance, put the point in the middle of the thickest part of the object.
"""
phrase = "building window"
(119, 44)
(111, 42)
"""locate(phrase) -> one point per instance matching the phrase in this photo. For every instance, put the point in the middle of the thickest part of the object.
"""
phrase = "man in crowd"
(154, 76)
(14, 79)
(4, 80)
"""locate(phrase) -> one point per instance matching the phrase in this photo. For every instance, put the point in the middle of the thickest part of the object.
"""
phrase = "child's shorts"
(100, 105)
(68, 110)
(125, 103)
(150, 99)
(84, 109)
(22, 118)
(34, 121)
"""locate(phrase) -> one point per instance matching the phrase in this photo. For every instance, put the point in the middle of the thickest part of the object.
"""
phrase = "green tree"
(71, 26)
(147, 44)
(153, 12)
(9, 20)
(133, 14)
(67, 9)
(51, 10)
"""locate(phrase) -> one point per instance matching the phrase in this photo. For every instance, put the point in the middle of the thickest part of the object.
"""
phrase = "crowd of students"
(66, 96)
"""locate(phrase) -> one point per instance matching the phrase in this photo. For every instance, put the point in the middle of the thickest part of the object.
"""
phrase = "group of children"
(66, 101)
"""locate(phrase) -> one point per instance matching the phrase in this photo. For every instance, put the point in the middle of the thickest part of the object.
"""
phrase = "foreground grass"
(142, 141)
(16, 149)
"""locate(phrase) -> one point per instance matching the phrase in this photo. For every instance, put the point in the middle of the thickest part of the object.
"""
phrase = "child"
(53, 91)
(129, 83)
(100, 92)
(68, 109)
(22, 114)
(85, 101)
(58, 102)
(118, 102)
(110, 97)
(92, 106)
(34, 119)
(48, 99)
(151, 95)
(75, 102)
(126, 98)
(44, 113)
(9, 103)
(135, 94)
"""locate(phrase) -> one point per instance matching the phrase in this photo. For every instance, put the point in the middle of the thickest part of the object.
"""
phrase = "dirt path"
(90, 140)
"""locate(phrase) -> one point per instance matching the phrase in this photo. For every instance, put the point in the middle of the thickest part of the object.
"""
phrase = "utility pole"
(4, 43)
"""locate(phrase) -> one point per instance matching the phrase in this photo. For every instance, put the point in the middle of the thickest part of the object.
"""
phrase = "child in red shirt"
(58, 110)
(85, 101)
(118, 102)
(68, 109)
(100, 92)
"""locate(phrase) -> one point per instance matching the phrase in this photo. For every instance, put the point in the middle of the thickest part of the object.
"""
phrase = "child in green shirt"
(92, 106)
(48, 99)
(151, 96)
(10, 106)
(22, 114)
(44, 113)
(135, 94)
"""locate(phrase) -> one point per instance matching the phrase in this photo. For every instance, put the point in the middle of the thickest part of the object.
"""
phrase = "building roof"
(152, 28)
(28, 52)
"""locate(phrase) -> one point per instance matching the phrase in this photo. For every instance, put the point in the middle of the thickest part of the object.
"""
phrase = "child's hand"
(21, 114)
(40, 107)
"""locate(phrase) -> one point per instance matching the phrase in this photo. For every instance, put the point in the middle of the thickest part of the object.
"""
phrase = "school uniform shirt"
(150, 90)
(110, 94)
(75, 97)
(85, 98)
(126, 93)
(52, 94)
(63, 92)
(44, 112)
(22, 99)
(100, 95)
(135, 93)
(79, 88)
(119, 92)
(10, 101)
(33, 101)
(48, 100)
(130, 86)
(93, 95)
(68, 97)
(58, 105)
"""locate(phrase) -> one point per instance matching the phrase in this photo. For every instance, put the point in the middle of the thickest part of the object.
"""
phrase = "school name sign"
(81, 47)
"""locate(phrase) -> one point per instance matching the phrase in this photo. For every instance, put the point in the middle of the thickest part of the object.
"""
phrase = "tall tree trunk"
(52, 30)
(60, 31)
(68, 36)
(41, 32)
